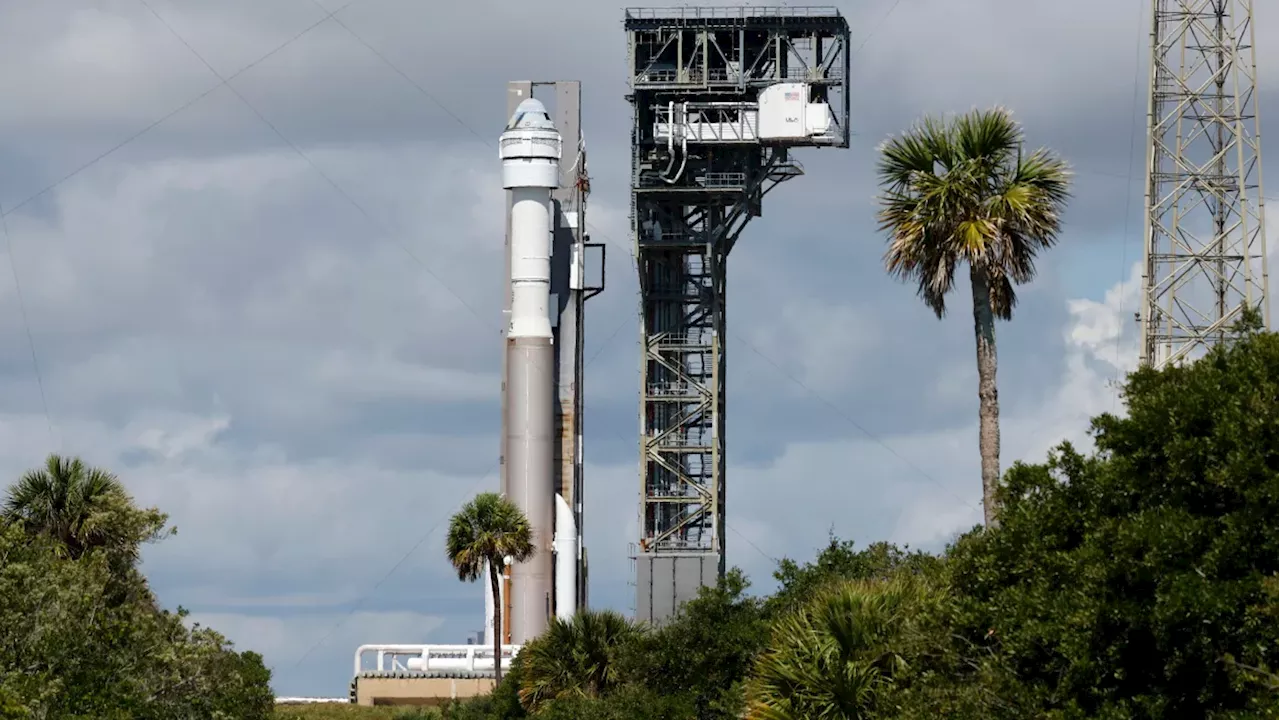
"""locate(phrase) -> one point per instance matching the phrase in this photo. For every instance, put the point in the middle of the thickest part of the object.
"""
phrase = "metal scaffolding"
(1205, 233)
(703, 157)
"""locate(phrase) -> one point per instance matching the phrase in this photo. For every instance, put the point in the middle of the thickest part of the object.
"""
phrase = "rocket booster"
(530, 150)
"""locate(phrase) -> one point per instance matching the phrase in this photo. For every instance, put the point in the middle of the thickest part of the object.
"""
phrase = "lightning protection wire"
(54, 437)
(373, 222)
(394, 568)
(879, 25)
(876, 28)
(179, 109)
(1128, 196)
(314, 166)
(332, 15)
(382, 57)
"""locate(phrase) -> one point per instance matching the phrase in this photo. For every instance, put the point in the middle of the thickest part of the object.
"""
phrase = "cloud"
(304, 376)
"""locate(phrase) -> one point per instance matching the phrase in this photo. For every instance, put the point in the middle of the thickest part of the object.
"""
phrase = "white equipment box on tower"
(787, 114)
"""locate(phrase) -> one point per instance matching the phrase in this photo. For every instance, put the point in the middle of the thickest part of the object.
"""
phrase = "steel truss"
(1205, 232)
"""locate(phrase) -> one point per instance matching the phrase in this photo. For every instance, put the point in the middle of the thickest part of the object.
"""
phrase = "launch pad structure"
(1205, 238)
(720, 97)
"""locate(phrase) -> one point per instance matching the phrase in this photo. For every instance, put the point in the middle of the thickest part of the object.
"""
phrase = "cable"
(189, 103)
(489, 144)
(337, 188)
(26, 324)
(407, 79)
(430, 96)
(876, 28)
(853, 422)
(332, 15)
(407, 251)
(387, 575)
(1128, 199)
(764, 554)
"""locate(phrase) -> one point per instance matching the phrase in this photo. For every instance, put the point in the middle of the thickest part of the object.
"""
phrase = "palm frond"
(487, 529)
(840, 655)
(574, 658)
(963, 192)
(919, 152)
(987, 137)
(82, 507)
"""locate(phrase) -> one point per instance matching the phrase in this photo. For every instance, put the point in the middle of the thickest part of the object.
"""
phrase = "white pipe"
(437, 658)
(566, 546)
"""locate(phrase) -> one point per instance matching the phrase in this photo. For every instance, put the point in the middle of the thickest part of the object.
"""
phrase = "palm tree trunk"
(497, 622)
(984, 331)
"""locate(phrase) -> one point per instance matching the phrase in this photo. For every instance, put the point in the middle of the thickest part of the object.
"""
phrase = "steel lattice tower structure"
(1205, 235)
(720, 96)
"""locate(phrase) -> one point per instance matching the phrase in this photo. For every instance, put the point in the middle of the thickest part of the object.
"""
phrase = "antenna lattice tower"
(720, 96)
(1205, 234)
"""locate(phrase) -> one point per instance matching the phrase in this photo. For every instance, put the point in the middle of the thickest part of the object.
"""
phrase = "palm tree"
(487, 531)
(574, 658)
(82, 508)
(962, 191)
(836, 657)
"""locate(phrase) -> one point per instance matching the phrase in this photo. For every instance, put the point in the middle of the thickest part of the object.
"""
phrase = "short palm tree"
(837, 656)
(574, 658)
(81, 507)
(963, 192)
(487, 531)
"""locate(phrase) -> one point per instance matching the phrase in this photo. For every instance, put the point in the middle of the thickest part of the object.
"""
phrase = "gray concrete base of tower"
(665, 581)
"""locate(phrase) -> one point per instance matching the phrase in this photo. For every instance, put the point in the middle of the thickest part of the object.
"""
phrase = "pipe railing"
(474, 659)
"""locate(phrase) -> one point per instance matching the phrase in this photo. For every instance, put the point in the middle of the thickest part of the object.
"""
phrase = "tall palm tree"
(81, 507)
(963, 192)
(487, 531)
(837, 656)
(574, 658)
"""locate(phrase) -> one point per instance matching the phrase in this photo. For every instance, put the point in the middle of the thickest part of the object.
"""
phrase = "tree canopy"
(81, 634)
(1135, 580)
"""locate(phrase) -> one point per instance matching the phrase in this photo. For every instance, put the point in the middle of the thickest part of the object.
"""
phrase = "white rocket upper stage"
(530, 152)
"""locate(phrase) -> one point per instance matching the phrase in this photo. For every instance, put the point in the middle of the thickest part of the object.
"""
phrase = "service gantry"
(720, 97)
(1205, 247)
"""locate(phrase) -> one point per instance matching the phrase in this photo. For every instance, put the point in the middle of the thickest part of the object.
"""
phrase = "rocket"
(530, 150)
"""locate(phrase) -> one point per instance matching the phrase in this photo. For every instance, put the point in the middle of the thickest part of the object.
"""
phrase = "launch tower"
(721, 95)
(1205, 231)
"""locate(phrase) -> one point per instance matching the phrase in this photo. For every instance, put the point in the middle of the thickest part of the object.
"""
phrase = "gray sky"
(309, 388)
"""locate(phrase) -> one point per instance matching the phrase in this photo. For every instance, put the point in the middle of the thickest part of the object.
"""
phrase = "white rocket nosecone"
(530, 151)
